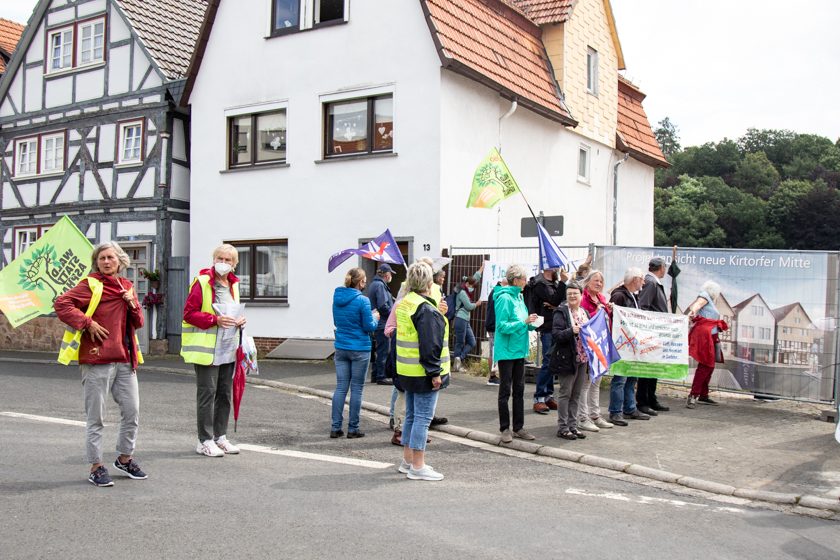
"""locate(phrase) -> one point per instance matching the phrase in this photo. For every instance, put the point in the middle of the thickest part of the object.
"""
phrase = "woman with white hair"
(592, 300)
(102, 313)
(512, 346)
(200, 347)
(704, 342)
(422, 367)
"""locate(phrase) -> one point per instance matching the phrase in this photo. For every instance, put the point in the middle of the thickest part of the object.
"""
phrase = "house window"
(24, 237)
(592, 70)
(61, 49)
(764, 333)
(92, 43)
(41, 154)
(288, 16)
(26, 157)
(257, 139)
(130, 149)
(76, 45)
(359, 126)
(583, 164)
(52, 149)
(757, 311)
(263, 270)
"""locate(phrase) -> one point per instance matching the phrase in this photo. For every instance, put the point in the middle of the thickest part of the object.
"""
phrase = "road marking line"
(315, 456)
(43, 419)
(648, 500)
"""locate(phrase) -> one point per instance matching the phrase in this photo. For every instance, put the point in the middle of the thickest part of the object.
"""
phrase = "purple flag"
(598, 344)
(383, 249)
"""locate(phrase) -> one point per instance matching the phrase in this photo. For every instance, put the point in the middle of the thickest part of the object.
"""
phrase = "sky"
(717, 67)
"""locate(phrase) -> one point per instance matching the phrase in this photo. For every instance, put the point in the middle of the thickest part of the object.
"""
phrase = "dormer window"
(76, 45)
(289, 16)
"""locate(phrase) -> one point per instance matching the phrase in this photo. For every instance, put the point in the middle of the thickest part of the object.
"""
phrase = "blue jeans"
(622, 395)
(545, 379)
(464, 338)
(350, 370)
(383, 349)
(419, 410)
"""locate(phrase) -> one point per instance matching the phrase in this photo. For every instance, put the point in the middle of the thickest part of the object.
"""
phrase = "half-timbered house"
(91, 127)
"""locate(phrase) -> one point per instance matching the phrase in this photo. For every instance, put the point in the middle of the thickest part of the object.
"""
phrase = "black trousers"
(646, 392)
(511, 376)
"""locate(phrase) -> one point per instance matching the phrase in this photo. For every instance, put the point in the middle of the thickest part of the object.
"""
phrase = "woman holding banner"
(703, 342)
(568, 361)
(589, 415)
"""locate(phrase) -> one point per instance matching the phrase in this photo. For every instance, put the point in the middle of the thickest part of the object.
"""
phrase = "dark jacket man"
(546, 297)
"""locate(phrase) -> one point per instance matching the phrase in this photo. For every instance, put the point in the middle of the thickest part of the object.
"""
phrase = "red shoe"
(395, 439)
(540, 408)
(552, 404)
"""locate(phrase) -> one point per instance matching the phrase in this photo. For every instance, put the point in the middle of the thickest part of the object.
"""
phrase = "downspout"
(510, 111)
(615, 197)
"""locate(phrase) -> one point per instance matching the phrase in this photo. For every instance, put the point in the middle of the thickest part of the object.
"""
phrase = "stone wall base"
(39, 334)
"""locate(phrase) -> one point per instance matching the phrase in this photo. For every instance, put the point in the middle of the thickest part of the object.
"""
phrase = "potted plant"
(153, 276)
(152, 299)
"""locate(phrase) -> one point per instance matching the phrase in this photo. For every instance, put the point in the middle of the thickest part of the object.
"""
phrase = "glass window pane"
(383, 129)
(240, 140)
(330, 10)
(286, 14)
(243, 271)
(347, 124)
(272, 136)
(272, 272)
(582, 163)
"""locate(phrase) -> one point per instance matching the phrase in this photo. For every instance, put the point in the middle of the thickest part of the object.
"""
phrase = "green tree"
(784, 201)
(684, 216)
(667, 135)
(815, 220)
(756, 175)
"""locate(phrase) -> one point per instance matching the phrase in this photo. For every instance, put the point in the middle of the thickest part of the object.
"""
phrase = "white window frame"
(592, 71)
(57, 153)
(65, 46)
(32, 152)
(19, 248)
(586, 152)
(310, 16)
(80, 42)
(121, 141)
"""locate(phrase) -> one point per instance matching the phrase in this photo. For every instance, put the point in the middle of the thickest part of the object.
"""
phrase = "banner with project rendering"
(650, 344)
(495, 271)
(48, 268)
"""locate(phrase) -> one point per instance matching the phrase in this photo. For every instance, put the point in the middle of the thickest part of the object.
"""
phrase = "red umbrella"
(238, 382)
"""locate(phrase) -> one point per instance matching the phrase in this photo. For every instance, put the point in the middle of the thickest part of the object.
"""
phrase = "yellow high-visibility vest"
(408, 342)
(72, 339)
(198, 346)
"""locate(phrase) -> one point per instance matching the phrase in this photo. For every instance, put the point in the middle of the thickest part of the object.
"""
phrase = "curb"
(804, 501)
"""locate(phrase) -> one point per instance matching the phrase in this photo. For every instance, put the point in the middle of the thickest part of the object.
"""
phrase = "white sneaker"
(426, 473)
(456, 366)
(208, 447)
(601, 423)
(405, 466)
(227, 446)
(588, 426)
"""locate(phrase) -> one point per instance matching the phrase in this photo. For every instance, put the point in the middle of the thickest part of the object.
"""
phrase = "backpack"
(451, 301)
(528, 295)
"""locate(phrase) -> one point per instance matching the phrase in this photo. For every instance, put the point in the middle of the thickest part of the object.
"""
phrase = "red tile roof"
(634, 133)
(10, 33)
(169, 30)
(493, 43)
(545, 11)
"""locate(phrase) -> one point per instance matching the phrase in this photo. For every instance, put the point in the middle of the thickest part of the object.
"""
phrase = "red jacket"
(701, 341)
(588, 302)
(113, 313)
(192, 308)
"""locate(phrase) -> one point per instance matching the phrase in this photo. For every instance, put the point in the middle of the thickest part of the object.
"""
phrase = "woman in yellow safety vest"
(422, 336)
(199, 346)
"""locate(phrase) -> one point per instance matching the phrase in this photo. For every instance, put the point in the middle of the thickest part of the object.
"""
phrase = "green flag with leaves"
(492, 182)
(48, 268)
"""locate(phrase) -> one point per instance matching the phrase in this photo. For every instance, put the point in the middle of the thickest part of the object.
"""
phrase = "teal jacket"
(511, 336)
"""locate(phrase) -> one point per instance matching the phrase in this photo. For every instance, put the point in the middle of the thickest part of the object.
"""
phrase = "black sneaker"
(707, 400)
(493, 380)
(131, 469)
(354, 435)
(336, 434)
(100, 477)
(439, 420)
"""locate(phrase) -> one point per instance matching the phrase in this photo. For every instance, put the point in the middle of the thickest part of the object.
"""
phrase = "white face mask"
(222, 268)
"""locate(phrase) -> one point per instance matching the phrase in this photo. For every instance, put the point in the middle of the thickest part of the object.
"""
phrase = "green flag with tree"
(48, 268)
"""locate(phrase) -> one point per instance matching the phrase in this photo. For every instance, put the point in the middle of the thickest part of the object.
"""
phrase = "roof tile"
(633, 126)
(545, 11)
(10, 33)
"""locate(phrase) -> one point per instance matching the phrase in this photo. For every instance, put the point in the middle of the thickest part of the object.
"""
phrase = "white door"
(139, 257)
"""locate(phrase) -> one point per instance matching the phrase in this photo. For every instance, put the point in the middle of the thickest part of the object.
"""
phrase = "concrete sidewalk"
(744, 447)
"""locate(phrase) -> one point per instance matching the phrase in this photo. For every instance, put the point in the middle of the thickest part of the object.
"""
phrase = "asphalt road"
(265, 504)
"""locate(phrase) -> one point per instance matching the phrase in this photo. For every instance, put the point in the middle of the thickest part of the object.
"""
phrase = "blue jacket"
(380, 299)
(352, 319)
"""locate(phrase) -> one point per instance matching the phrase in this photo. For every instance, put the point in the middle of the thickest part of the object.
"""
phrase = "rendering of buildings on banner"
(91, 127)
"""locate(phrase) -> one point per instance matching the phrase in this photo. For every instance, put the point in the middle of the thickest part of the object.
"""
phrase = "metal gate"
(177, 284)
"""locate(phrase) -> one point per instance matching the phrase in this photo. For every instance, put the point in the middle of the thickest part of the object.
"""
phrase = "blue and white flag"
(598, 344)
(382, 249)
(551, 256)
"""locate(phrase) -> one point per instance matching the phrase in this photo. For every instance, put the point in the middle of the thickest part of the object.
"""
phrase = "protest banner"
(495, 271)
(51, 266)
(650, 344)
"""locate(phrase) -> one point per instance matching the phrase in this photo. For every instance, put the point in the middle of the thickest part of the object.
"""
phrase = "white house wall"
(635, 203)
(320, 208)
